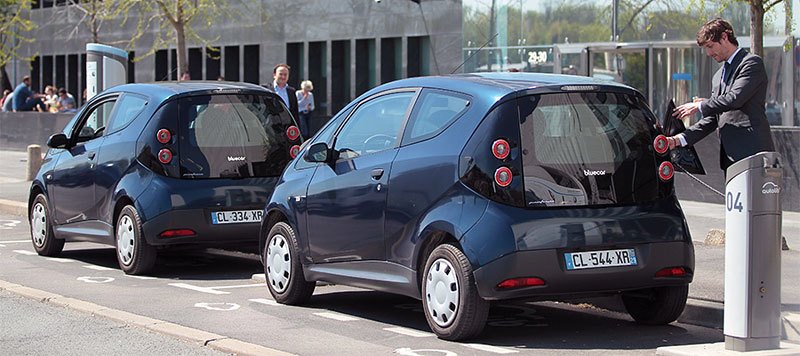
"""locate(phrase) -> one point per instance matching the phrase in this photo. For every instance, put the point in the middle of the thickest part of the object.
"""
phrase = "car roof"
(499, 84)
(165, 90)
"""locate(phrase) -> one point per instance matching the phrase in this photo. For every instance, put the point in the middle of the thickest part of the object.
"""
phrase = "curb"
(13, 207)
(203, 338)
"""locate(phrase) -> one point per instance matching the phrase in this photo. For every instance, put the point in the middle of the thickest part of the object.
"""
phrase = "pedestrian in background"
(736, 107)
(26, 100)
(50, 97)
(6, 98)
(65, 101)
(279, 84)
(305, 104)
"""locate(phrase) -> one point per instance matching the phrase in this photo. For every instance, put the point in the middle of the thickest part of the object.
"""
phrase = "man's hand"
(687, 109)
(673, 141)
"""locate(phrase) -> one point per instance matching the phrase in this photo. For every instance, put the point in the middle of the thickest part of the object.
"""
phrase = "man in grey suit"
(280, 76)
(737, 103)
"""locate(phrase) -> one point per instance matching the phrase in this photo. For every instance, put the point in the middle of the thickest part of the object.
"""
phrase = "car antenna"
(471, 55)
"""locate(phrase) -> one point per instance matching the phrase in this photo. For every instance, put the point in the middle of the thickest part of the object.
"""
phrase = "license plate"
(597, 259)
(236, 216)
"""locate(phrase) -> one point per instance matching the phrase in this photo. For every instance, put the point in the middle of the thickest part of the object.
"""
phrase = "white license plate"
(236, 216)
(597, 259)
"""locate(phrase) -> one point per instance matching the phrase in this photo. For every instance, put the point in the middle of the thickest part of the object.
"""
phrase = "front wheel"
(453, 308)
(656, 306)
(44, 241)
(134, 254)
(283, 269)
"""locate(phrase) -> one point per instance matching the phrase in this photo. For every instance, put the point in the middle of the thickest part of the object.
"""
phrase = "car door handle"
(91, 155)
(376, 173)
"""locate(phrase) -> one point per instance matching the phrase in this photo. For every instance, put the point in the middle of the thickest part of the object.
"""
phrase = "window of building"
(196, 63)
(162, 71)
(365, 65)
(61, 71)
(252, 63)
(173, 64)
(294, 58)
(340, 74)
(391, 59)
(72, 76)
(231, 55)
(47, 71)
(212, 63)
(131, 67)
(318, 73)
(36, 67)
(418, 57)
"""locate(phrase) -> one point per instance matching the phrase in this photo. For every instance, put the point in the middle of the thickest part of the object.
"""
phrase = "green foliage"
(14, 29)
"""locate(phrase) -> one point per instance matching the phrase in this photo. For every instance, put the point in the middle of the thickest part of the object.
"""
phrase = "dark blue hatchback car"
(146, 166)
(464, 189)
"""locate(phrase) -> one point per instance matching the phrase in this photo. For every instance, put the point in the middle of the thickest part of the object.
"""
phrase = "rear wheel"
(134, 254)
(656, 306)
(44, 241)
(453, 308)
(283, 269)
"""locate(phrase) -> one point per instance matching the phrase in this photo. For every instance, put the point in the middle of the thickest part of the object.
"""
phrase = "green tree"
(14, 29)
(757, 10)
(95, 13)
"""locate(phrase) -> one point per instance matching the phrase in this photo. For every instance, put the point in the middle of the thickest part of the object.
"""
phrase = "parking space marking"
(60, 260)
(140, 277)
(98, 268)
(25, 252)
(198, 289)
(336, 316)
(239, 286)
(95, 279)
(218, 306)
(16, 241)
(269, 302)
(490, 348)
(8, 224)
(1, 245)
(409, 332)
(422, 352)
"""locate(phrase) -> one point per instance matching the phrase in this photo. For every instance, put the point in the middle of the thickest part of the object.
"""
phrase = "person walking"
(736, 107)
(24, 99)
(279, 84)
(305, 103)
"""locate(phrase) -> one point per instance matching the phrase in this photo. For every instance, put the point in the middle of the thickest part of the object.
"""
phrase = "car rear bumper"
(550, 266)
(199, 221)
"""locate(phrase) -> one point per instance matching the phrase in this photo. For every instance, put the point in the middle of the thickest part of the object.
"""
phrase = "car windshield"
(233, 136)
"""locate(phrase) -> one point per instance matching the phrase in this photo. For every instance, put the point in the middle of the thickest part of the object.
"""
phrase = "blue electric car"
(145, 166)
(459, 190)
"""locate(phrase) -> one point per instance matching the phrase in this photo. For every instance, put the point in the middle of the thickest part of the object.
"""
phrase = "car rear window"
(233, 136)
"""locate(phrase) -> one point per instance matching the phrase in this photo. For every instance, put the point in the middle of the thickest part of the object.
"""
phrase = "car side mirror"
(318, 153)
(58, 140)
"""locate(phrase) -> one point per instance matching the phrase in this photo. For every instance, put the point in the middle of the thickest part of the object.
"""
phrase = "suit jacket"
(292, 98)
(737, 109)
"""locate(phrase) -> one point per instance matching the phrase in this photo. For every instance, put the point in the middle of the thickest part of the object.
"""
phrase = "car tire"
(450, 299)
(282, 267)
(134, 254)
(44, 241)
(656, 306)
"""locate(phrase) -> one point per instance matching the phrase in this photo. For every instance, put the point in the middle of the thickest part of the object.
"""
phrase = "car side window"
(435, 111)
(374, 126)
(95, 121)
(128, 107)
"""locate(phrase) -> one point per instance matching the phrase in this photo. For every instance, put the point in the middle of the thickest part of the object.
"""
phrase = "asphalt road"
(213, 291)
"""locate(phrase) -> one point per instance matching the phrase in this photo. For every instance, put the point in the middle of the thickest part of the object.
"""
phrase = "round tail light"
(294, 151)
(165, 156)
(163, 136)
(292, 133)
(502, 176)
(665, 171)
(660, 144)
(500, 149)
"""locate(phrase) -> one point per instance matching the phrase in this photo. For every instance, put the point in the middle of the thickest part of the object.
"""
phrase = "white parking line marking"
(240, 286)
(218, 306)
(420, 352)
(16, 241)
(198, 289)
(98, 268)
(336, 316)
(409, 332)
(265, 301)
(490, 348)
(25, 252)
(95, 279)
(60, 260)
(141, 277)
(1, 245)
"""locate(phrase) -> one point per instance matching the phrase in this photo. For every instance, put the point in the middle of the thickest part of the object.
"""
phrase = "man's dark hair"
(713, 30)
(275, 69)
(62, 91)
(27, 77)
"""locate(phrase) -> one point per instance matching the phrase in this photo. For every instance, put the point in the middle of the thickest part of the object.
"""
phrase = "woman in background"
(305, 105)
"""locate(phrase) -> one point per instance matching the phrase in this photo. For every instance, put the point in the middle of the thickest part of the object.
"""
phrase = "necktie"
(724, 79)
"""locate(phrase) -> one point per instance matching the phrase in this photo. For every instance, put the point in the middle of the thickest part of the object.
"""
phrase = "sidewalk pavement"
(705, 293)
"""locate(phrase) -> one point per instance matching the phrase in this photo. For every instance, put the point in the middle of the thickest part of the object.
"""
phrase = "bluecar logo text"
(234, 159)
(589, 172)
(770, 188)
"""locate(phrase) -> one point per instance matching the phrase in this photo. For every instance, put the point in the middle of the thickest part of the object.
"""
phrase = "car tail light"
(500, 149)
(660, 144)
(177, 233)
(163, 136)
(292, 133)
(294, 151)
(502, 176)
(165, 156)
(671, 272)
(665, 171)
(512, 283)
